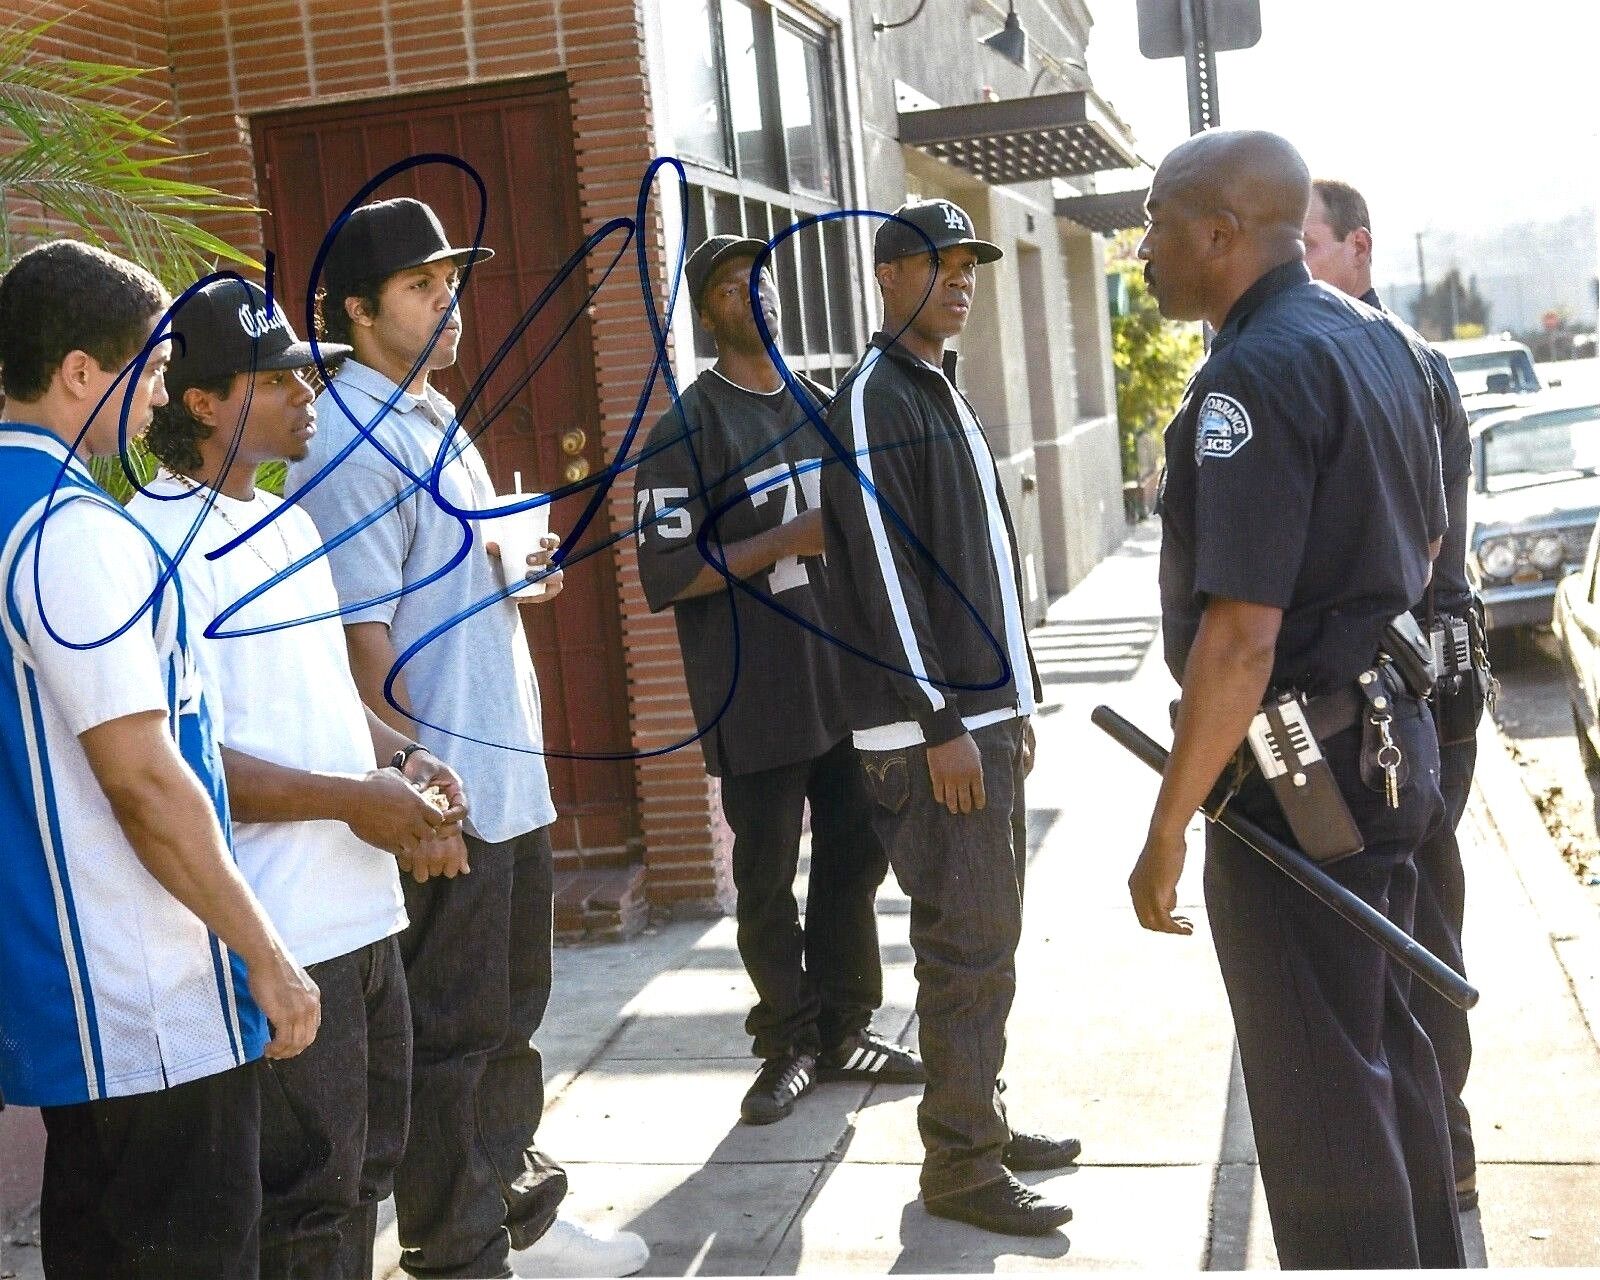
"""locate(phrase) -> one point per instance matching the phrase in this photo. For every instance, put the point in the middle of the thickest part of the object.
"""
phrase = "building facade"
(531, 124)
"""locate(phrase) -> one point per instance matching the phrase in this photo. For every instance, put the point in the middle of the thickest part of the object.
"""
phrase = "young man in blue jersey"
(137, 963)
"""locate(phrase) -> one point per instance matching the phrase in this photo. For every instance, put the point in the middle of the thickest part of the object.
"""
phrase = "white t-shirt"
(285, 696)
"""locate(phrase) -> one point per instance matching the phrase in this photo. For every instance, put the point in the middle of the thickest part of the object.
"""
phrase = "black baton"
(1313, 879)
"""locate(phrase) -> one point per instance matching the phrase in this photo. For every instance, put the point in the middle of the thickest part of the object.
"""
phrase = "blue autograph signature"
(708, 541)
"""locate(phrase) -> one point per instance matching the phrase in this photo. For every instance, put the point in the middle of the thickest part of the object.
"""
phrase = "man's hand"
(803, 534)
(956, 770)
(1030, 746)
(390, 813)
(290, 999)
(1154, 885)
(537, 560)
(443, 855)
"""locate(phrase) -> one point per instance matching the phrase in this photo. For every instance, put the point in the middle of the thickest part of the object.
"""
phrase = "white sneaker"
(571, 1249)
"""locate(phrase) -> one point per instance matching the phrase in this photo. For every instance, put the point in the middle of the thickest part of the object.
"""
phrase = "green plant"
(1152, 359)
(72, 159)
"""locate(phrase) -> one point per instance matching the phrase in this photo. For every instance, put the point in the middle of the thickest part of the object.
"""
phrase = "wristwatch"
(398, 760)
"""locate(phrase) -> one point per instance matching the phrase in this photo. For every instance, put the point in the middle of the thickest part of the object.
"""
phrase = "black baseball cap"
(226, 328)
(943, 221)
(386, 236)
(711, 254)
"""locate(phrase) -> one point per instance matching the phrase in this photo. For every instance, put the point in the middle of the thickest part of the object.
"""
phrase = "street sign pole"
(1200, 61)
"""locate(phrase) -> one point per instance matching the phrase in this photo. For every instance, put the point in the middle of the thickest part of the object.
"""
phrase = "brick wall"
(227, 59)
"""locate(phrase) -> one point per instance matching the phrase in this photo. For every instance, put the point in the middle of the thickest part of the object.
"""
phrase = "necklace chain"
(195, 486)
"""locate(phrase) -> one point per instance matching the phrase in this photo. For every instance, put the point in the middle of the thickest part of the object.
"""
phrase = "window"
(754, 105)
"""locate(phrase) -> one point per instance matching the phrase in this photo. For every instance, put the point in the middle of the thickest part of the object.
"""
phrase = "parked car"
(1535, 499)
(1493, 374)
(1576, 623)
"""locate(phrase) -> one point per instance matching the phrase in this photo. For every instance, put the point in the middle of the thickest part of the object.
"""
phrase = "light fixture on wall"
(879, 25)
(1011, 41)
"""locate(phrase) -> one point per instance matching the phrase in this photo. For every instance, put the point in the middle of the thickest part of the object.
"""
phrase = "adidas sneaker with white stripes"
(778, 1084)
(868, 1056)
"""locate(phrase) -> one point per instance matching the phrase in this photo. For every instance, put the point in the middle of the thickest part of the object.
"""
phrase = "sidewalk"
(1119, 1037)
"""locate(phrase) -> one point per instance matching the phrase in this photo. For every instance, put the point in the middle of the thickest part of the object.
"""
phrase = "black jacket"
(912, 542)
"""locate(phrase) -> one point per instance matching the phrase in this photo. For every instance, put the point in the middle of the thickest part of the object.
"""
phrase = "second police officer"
(1301, 508)
(1338, 231)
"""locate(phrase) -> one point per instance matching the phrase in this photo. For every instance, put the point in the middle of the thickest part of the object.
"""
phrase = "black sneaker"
(1007, 1207)
(779, 1082)
(1031, 1152)
(868, 1056)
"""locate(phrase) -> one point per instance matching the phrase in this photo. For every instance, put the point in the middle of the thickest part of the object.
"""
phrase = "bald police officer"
(1301, 508)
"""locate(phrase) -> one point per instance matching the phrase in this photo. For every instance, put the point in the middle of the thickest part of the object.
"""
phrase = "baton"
(1373, 924)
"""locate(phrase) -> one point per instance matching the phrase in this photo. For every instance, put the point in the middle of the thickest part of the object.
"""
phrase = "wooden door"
(519, 139)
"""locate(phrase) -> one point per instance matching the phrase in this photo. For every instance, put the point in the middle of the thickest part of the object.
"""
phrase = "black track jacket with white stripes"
(912, 544)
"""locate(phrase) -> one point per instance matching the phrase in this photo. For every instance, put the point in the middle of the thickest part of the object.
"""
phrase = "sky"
(1452, 116)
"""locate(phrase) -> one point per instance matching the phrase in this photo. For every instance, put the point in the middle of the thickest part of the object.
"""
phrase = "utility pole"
(1422, 281)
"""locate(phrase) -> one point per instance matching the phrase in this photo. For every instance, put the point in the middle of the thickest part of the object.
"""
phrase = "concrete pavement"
(1120, 1037)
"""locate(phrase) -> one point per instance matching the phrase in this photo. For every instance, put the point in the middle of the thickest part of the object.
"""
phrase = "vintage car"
(1535, 498)
(1493, 374)
(1576, 623)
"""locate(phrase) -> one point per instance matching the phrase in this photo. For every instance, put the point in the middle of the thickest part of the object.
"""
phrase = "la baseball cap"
(386, 236)
(227, 327)
(942, 221)
(710, 255)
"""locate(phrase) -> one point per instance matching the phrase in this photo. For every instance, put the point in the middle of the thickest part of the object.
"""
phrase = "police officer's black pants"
(1344, 1089)
(819, 983)
(1441, 906)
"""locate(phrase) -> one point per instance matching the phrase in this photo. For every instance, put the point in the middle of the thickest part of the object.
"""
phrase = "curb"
(1569, 918)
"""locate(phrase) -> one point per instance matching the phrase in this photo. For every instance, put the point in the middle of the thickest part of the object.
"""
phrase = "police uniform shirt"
(1452, 593)
(1303, 474)
(764, 684)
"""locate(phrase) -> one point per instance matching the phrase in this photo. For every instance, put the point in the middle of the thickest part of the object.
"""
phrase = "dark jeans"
(471, 1184)
(1441, 906)
(157, 1186)
(333, 1122)
(963, 873)
(819, 984)
(1344, 1090)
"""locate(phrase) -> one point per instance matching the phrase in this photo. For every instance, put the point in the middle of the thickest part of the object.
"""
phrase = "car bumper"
(1529, 604)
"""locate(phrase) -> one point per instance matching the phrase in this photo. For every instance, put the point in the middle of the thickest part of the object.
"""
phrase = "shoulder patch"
(1221, 429)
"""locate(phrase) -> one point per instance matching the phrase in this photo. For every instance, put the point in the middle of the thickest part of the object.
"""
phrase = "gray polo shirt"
(473, 690)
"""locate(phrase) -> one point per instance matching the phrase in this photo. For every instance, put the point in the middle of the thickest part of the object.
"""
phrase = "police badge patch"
(1222, 429)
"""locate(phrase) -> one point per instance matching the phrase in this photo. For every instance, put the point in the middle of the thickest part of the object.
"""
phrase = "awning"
(1108, 212)
(1060, 135)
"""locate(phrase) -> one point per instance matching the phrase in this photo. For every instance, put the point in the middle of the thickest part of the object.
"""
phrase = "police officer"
(1338, 233)
(738, 458)
(1300, 510)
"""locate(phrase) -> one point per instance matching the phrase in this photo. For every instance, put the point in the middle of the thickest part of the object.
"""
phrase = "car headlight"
(1497, 557)
(1548, 553)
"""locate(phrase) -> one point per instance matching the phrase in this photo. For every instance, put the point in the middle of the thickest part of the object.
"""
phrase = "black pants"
(1441, 907)
(158, 1186)
(818, 984)
(964, 874)
(1343, 1086)
(333, 1122)
(472, 1184)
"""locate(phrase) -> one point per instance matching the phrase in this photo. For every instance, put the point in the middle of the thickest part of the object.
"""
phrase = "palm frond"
(96, 165)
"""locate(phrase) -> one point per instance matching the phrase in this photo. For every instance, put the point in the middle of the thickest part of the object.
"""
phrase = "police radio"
(1289, 758)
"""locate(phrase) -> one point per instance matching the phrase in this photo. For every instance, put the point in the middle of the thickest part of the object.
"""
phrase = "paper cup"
(517, 536)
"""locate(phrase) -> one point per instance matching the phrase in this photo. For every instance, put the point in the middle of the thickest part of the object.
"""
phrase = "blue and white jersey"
(108, 985)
